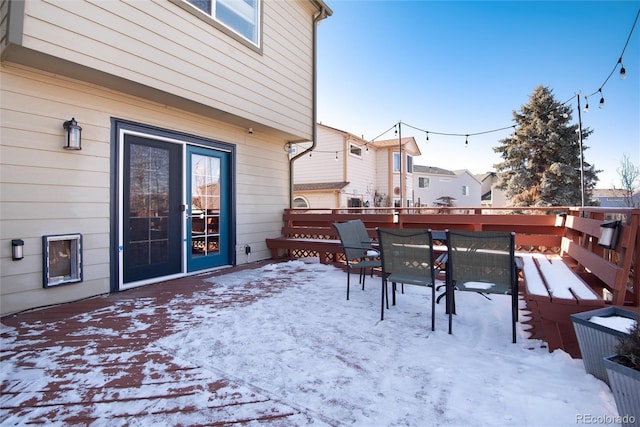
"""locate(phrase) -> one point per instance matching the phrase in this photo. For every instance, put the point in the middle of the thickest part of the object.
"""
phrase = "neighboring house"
(345, 170)
(491, 196)
(184, 114)
(441, 187)
(613, 198)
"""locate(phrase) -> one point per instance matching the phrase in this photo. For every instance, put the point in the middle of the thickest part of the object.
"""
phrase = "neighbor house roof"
(432, 170)
(609, 192)
(392, 142)
(315, 186)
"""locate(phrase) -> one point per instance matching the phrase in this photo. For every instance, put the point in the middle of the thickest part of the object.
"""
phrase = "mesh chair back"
(407, 255)
(354, 238)
(481, 261)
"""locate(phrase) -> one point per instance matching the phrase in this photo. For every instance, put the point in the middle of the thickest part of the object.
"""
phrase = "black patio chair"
(407, 258)
(357, 248)
(482, 262)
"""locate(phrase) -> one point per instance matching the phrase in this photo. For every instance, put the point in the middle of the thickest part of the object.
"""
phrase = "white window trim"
(351, 153)
(257, 45)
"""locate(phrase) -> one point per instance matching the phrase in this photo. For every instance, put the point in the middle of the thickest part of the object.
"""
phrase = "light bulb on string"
(336, 156)
(427, 136)
(586, 107)
(466, 141)
(601, 99)
(623, 71)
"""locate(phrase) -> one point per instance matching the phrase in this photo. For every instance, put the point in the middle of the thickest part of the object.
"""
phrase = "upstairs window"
(242, 17)
(465, 190)
(396, 162)
(355, 150)
(423, 182)
(409, 164)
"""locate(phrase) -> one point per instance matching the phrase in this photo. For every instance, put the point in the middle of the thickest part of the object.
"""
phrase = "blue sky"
(465, 66)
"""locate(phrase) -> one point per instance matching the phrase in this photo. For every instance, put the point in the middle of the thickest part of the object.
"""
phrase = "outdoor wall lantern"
(561, 220)
(609, 234)
(17, 246)
(396, 217)
(73, 135)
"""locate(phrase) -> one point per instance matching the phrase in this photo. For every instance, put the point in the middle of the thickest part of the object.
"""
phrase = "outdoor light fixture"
(17, 246)
(586, 107)
(396, 217)
(609, 234)
(73, 135)
(623, 72)
(560, 220)
(601, 98)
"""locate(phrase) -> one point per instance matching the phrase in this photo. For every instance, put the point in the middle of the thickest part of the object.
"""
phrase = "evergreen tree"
(541, 164)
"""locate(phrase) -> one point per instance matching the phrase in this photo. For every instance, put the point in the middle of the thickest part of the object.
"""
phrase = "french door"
(208, 208)
(175, 214)
(151, 205)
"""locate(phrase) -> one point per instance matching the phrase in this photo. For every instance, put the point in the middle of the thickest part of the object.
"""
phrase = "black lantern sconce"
(609, 234)
(17, 246)
(73, 135)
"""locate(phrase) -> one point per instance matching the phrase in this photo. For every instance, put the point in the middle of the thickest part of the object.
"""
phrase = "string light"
(623, 71)
(601, 99)
(623, 75)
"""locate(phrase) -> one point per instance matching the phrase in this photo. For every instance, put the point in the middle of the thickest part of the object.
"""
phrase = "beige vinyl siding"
(163, 46)
(45, 189)
(324, 200)
(322, 166)
(362, 175)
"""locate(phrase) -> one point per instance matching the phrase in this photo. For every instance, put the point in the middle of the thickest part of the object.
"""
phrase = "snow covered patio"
(279, 344)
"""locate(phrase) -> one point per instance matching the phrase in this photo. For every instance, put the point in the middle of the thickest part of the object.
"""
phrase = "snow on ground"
(311, 348)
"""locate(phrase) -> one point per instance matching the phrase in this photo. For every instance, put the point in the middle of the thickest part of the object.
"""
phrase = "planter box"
(598, 341)
(625, 386)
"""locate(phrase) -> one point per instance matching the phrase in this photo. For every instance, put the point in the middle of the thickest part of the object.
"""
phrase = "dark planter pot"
(625, 386)
(598, 341)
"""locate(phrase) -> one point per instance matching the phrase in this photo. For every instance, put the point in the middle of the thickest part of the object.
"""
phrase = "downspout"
(314, 93)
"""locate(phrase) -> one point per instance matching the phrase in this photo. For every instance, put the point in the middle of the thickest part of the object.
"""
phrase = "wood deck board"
(138, 383)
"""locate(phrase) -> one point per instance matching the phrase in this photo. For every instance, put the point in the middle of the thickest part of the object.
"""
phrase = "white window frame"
(396, 162)
(465, 190)
(300, 199)
(409, 164)
(241, 9)
(423, 180)
(355, 150)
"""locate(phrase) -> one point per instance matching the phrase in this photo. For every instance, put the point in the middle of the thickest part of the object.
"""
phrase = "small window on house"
(409, 164)
(300, 202)
(423, 182)
(355, 150)
(242, 17)
(465, 190)
(396, 162)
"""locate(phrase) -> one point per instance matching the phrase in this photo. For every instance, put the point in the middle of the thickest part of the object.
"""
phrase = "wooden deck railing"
(537, 230)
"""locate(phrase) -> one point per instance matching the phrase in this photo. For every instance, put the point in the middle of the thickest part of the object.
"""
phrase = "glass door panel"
(207, 212)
